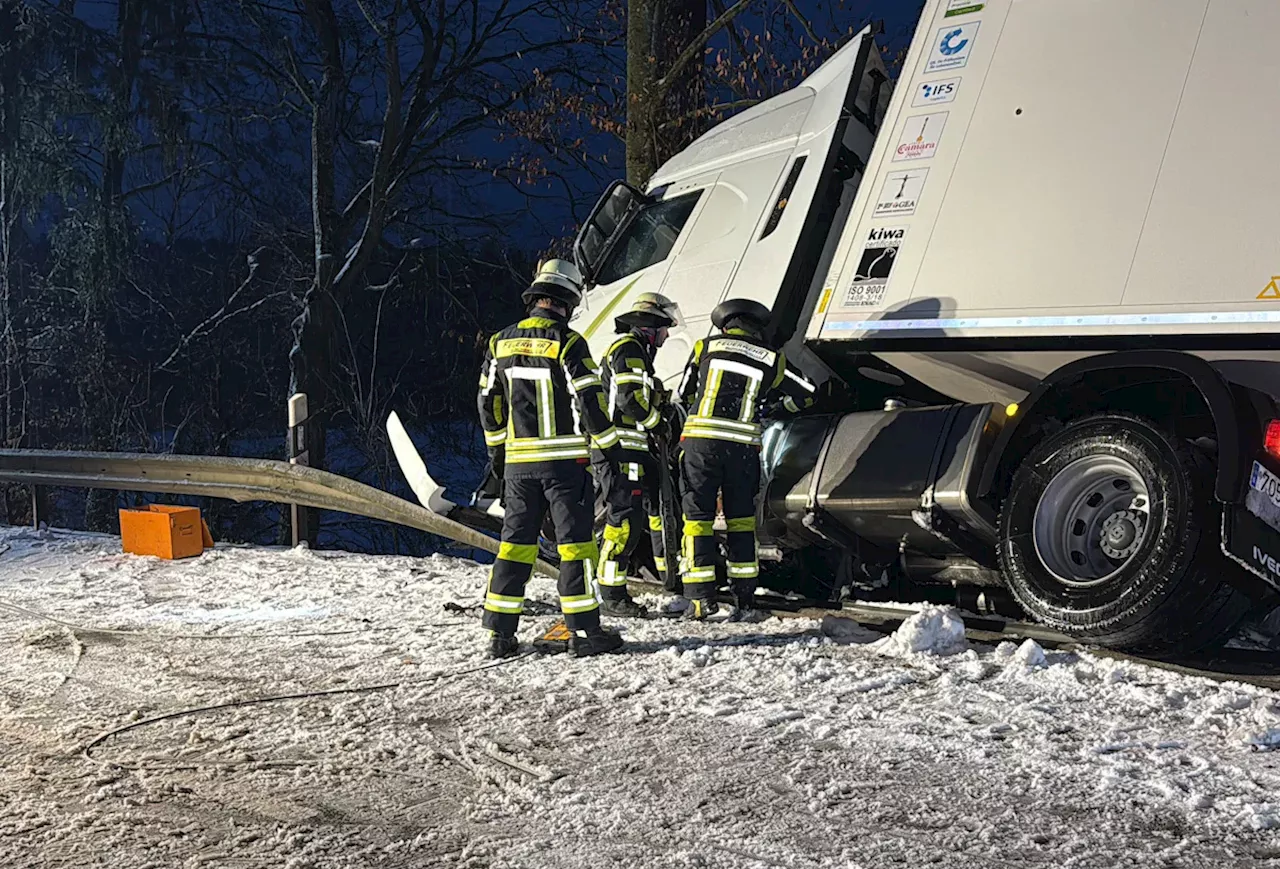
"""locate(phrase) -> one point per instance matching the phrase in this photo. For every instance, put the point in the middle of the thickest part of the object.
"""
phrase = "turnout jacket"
(629, 382)
(541, 399)
(729, 378)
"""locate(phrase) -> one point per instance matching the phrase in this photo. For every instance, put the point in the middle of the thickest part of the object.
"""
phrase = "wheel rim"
(1091, 520)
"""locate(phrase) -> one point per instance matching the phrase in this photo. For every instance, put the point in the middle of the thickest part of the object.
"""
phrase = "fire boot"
(502, 645)
(595, 641)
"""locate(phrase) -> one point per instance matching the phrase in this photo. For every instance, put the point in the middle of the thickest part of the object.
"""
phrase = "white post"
(303, 520)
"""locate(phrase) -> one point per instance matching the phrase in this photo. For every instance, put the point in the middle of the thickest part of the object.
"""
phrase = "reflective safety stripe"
(527, 456)
(716, 435)
(699, 575)
(661, 564)
(581, 603)
(579, 551)
(611, 573)
(804, 383)
(655, 523)
(628, 378)
(523, 553)
(495, 438)
(561, 441)
(651, 420)
(790, 404)
(743, 569)
(745, 523)
(501, 603)
(699, 528)
(586, 381)
(728, 424)
(606, 438)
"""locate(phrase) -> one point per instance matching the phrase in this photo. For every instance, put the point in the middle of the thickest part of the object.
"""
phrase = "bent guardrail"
(236, 480)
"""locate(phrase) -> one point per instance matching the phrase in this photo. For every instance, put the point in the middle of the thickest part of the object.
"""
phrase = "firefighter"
(730, 377)
(632, 492)
(542, 407)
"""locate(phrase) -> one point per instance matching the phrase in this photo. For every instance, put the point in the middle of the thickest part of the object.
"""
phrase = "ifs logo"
(935, 93)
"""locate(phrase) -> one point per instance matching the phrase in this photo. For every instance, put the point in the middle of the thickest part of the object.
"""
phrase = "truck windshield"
(649, 238)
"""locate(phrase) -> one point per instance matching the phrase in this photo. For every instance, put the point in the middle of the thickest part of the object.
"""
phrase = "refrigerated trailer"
(1038, 278)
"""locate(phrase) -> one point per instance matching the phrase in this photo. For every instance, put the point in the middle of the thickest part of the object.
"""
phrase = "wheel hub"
(1091, 520)
(1121, 533)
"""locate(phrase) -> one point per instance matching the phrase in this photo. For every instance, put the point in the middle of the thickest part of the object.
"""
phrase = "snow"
(934, 630)
(787, 743)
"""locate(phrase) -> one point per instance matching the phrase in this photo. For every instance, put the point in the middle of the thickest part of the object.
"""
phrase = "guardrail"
(235, 480)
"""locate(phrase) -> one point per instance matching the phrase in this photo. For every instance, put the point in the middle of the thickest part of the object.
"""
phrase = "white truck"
(1033, 380)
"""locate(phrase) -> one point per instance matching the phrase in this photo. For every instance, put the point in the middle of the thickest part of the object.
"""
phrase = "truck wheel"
(1110, 533)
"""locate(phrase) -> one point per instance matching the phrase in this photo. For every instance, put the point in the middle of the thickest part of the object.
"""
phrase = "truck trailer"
(997, 266)
(1034, 389)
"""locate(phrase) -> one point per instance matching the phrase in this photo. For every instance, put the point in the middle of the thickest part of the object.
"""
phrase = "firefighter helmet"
(649, 311)
(556, 279)
(750, 310)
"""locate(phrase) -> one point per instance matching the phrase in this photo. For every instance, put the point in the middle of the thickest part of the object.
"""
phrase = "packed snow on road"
(780, 744)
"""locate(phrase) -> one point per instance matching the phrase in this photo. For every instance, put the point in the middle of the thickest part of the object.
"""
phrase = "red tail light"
(1272, 442)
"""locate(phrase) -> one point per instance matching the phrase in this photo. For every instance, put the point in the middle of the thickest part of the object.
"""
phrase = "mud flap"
(1254, 545)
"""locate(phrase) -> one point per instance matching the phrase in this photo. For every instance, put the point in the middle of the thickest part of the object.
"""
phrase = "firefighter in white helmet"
(631, 489)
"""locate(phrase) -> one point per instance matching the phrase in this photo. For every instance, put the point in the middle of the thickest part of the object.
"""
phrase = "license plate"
(1263, 497)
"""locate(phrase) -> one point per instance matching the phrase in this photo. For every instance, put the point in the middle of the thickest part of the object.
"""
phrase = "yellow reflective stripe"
(579, 551)
(563, 441)
(500, 603)
(744, 523)
(612, 574)
(628, 378)
(700, 575)
(524, 553)
(728, 424)
(606, 438)
(698, 528)
(744, 569)
(720, 436)
(586, 381)
(790, 404)
(651, 420)
(539, 348)
(635, 364)
(528, 456)
(655, 523)
(497, 409)
(495, 438)
(578, 603)
(661, 564)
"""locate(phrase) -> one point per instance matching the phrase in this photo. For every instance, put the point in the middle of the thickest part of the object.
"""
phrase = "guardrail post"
(37, 506)
(303, 521)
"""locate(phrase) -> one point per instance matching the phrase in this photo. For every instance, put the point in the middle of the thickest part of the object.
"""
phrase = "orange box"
(163, 531)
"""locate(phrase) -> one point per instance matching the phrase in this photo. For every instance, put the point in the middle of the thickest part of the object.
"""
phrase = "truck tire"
(1110, 533)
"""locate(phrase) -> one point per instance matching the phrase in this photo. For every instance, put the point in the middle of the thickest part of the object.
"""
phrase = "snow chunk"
(1261, 816)
(934, 630)
(1031, 654)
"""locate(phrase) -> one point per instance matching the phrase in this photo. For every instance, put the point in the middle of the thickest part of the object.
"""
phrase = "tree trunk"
(660, 114)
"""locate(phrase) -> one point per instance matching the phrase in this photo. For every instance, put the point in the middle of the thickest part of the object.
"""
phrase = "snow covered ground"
(769, 745)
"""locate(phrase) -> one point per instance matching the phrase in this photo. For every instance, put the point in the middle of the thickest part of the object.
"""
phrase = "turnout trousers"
(632, 501)
(568, 498)
(731, 472)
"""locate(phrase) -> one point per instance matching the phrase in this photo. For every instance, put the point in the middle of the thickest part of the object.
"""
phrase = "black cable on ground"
(87, 750)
